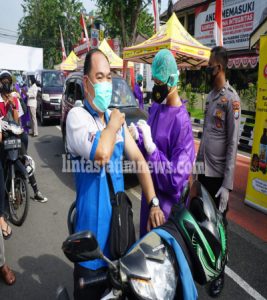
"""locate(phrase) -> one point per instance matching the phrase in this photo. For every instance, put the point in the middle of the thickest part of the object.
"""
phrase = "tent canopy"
(187, 51)
(69, 64)
(114, 60)
(257, 33)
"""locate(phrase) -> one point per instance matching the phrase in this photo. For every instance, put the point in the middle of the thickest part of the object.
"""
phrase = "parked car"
(122, 98)
(49, 96)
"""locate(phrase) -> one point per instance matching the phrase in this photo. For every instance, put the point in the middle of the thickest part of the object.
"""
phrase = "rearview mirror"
(81, 246)
(78, 103)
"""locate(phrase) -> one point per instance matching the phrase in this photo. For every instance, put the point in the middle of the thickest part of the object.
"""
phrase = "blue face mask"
(103, 93)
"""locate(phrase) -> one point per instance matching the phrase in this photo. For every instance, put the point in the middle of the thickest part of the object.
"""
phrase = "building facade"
(240, 19)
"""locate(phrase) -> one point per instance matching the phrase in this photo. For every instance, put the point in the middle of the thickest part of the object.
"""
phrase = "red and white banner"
(156, 14)
(218, 26)
(63, 50)
(243, 62)
(83, 24)
(239, 19)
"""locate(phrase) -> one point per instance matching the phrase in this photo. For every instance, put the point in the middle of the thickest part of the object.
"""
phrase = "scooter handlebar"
(98, 279)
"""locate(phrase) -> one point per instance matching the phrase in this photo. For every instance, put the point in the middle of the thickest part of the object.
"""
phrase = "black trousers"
(93, 292)
(2, 190)
(213, 184)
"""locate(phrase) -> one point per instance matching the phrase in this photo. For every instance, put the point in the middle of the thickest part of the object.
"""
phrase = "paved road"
(34, 251)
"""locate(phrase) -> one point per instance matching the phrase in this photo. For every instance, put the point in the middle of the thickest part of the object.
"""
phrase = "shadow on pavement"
(50, 151)
(39, 279)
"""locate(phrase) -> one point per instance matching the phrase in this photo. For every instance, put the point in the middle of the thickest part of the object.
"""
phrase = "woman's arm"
(156, 216)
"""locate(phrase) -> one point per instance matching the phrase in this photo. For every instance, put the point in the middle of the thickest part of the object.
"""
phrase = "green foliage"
(182, 81)
(196, 113)
(192, 101)
(145, 24)
(126, 18)
(249, 96)
(191, 97)
(188, 91)
(39, 27)
(202, 88)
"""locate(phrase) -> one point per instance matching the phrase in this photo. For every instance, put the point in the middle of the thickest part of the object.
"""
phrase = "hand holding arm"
(150, 146)
(107, 139)
(156, 216)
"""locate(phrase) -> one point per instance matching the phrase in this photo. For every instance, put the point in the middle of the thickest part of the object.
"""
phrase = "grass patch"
(196, 113)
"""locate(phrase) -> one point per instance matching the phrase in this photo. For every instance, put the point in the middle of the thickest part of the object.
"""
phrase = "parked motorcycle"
(16, 176)
(191, 245)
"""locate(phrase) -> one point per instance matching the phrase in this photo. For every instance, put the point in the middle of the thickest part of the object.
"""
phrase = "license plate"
(12, 144)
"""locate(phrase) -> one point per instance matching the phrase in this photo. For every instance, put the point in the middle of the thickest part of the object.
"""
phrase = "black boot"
(216, 286)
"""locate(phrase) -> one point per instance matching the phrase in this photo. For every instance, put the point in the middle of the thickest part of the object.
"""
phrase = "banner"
(218, 34)
(116, 44)
(240, 18)
(84, 27)
(64, 55)
(156, 14)
(256, 194)
(94, 38)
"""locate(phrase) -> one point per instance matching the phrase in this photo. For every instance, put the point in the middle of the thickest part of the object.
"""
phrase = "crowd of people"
(97, 134)
(14, 107)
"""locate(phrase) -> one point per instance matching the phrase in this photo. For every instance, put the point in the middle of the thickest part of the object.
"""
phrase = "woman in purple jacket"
(138, 92)
(166, 140)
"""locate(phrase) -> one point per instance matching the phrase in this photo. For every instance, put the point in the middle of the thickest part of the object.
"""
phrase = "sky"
(11, 12)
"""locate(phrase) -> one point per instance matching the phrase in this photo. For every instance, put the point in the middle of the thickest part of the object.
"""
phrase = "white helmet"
(29, 165)
(5, 74)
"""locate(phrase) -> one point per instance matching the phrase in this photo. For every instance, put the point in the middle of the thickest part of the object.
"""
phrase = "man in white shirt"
(32, 105)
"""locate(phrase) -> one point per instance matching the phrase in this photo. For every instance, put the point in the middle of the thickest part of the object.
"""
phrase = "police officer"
(217, 152)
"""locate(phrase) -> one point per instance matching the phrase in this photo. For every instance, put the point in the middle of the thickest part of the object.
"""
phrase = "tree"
(39, 26)
(126, 18)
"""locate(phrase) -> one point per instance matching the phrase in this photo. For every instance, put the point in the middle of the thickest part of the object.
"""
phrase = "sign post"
(94, 38)
(256, 194)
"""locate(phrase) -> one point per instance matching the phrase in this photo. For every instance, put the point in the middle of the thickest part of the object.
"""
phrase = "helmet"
(5, 74)
(29, 164)
(202, 228)
(6, 87)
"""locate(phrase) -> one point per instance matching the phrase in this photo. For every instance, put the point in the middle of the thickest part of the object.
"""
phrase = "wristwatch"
(154, 202)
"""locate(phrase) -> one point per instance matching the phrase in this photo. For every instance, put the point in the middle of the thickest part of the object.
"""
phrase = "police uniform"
(219, 142)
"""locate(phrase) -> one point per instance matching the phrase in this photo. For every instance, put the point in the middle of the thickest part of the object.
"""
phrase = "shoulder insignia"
(236, 107)
(224, 100)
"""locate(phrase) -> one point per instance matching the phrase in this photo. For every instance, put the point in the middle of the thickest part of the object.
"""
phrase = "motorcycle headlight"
(162, 285)
(46, 97)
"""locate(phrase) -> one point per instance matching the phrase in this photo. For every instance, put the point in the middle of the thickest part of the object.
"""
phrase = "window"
(79, 90)
(70, 91)
(191, 24)
(53, 79)
(181, 19)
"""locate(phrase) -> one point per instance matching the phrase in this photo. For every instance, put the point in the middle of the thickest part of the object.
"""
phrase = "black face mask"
(160, 93)
(210, 76)
(5, 87)
(140, 83)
